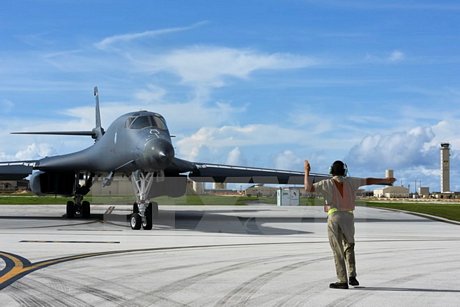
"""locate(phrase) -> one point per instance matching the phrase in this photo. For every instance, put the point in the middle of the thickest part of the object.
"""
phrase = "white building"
(392, 192)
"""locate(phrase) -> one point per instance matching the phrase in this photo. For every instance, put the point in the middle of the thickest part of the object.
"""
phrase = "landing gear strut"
(78, 205)
(143, 210)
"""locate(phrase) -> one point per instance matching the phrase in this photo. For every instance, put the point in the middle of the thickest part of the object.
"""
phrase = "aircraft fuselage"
(137, 140)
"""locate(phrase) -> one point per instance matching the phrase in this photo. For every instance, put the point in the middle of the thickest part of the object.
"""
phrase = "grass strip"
(448, 211)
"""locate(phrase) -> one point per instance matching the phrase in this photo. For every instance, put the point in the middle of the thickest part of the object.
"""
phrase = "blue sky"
(258, 83)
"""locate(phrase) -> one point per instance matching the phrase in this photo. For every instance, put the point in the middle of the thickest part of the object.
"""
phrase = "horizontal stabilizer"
(78, 133)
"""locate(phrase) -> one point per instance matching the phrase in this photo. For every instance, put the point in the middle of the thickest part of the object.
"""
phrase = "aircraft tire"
(147, 224)
(85, 210)
(70, 209)
(135, 221)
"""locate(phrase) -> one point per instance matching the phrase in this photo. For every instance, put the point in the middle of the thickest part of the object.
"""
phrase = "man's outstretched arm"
(309, 187)
(384, 181)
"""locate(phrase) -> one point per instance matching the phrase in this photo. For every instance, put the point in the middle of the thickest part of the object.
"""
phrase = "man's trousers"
(341, 233)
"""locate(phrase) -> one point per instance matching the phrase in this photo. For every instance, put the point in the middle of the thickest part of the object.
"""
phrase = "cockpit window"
(160, 122)
(147, 121)
(141, 122)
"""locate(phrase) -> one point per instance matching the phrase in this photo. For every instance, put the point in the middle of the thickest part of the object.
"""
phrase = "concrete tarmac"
(258, 255)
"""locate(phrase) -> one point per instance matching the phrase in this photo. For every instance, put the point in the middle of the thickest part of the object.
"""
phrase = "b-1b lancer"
(137, 145)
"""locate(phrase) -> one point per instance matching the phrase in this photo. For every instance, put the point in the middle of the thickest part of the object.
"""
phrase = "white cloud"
(234, 157)
(396, 56)
(447, 131)
(288, 160)
(129, 37)
(397, 150)
(153, 93)
(209, 66)
(413, 154)
(35, 151)
(307, 118)
(212, 138)
(189, 115)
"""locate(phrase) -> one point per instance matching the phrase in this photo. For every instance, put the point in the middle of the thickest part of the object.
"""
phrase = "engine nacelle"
(53, 183)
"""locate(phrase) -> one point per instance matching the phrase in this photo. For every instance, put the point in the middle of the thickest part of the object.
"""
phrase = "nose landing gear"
(143, 210)
(136, 221)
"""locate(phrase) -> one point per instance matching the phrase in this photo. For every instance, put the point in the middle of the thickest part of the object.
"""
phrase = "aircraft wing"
(206, 172)
(197, 171)
(16, 170)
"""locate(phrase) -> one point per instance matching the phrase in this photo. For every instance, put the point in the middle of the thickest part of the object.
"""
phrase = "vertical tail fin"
(98, 112)
(98, 130)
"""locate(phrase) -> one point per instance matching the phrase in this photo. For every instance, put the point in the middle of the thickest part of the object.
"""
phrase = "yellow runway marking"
(17, 267)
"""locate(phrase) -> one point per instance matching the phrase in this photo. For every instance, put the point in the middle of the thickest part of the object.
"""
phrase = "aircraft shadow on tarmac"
(218, 222)
(210, 221)
(222, 221)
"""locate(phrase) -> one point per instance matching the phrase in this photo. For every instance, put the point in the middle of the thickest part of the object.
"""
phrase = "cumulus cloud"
(234, 157)
(288, 160)
(190, 147)
(413, 154)
(397, 150)
(447, 131)
(34, 151)
(209, 65)
(198, 109)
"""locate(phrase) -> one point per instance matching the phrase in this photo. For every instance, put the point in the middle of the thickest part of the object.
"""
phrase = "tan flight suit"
(340, 222)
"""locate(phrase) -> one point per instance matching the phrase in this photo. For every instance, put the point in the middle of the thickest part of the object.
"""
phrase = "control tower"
(445, 167)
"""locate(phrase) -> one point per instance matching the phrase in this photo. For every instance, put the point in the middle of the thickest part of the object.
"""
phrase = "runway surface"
(222, 256)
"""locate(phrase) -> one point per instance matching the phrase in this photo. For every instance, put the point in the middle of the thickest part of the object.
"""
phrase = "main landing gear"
(143, 209)
(79, 206)
(82, 208)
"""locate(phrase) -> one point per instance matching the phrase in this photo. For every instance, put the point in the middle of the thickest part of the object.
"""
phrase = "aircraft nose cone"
(158, 153)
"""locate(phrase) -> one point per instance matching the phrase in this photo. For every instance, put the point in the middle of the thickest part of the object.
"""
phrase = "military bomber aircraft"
(138, 145)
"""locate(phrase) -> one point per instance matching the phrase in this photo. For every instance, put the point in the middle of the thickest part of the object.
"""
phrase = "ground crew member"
(339, 193)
